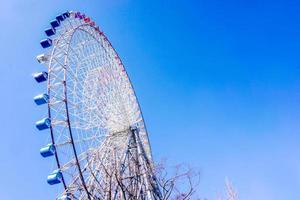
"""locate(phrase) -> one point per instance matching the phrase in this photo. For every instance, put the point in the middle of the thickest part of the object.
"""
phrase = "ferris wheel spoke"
(76, 178)
(90, 98)
(71, 163)
(99, 115)
(81, 140)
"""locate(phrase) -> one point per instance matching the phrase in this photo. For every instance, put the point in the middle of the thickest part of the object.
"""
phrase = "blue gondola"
(50, 31)
(60, 18)
(48, 150)
(43, 124)
(64, 197)
(41, 99)
(55, 23)
(46, 43)
(55, 177)
(40, 76)
(66, 14)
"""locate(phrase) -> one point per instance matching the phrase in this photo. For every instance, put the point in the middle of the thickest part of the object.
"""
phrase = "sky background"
(218, 82)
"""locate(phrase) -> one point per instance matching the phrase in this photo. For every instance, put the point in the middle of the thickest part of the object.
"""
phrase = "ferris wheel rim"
(68, 119)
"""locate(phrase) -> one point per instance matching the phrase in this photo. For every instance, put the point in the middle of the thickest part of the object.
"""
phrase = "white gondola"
(42, 58)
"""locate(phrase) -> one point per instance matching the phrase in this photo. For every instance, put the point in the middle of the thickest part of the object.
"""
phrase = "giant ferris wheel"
(98, 137)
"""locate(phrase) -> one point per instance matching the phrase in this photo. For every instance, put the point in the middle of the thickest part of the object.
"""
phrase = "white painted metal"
(93, 108)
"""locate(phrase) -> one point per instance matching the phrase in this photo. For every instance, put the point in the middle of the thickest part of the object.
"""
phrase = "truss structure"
(97, 128)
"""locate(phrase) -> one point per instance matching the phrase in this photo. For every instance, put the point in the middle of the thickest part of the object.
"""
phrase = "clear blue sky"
(218, 81)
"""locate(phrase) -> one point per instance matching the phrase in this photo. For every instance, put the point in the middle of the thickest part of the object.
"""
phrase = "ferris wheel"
(98, 137)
